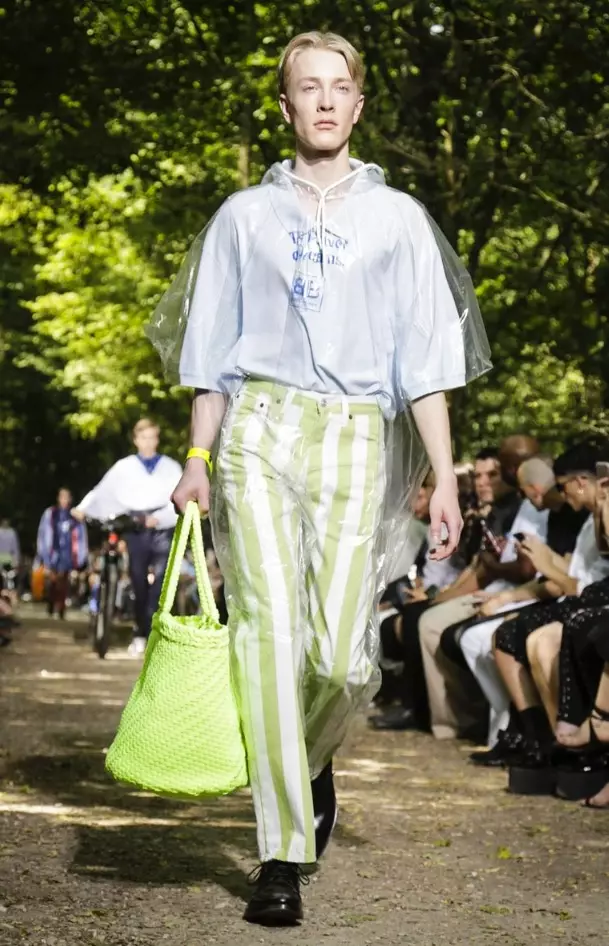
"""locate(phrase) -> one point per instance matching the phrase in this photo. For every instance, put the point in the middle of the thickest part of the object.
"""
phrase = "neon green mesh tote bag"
(179, 733)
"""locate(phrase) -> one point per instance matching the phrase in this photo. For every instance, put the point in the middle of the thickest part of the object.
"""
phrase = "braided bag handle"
(188, 528)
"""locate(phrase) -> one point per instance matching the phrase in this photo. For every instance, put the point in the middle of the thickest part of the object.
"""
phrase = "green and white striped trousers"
(297, 516)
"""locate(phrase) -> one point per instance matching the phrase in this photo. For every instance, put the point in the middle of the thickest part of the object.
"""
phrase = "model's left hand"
(444, 508)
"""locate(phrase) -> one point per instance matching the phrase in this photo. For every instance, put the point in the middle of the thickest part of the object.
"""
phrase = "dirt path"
(429, 851)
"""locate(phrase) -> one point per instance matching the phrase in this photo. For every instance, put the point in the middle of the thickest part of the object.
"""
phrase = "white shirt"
(338, 291)
(128, 487)
(587, 565)
(530, 521)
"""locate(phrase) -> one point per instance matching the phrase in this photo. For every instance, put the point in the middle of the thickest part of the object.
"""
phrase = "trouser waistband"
(271, 392)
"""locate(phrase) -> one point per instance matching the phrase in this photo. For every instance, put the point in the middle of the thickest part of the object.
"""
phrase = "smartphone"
(490, 541)
(519, 536)
(602, 470)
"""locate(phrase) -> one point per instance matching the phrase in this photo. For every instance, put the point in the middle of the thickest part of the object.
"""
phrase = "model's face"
(147, 441)
(322, 102)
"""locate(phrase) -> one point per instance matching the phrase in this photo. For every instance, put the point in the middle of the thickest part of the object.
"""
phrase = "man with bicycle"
(139, 486)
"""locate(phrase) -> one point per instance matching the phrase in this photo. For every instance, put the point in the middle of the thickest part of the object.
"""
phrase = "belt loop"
(345, 404)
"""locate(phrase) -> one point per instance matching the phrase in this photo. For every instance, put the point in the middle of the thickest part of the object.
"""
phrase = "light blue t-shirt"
(340, 291)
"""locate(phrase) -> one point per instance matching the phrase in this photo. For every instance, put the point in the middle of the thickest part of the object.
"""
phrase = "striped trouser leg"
(346, 489)
(264, 593)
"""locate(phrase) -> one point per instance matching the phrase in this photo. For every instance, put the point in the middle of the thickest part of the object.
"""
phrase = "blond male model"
(317, 317)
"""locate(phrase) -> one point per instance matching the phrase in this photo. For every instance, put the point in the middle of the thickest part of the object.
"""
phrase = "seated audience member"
(584, 651)
(570, 667)
(584, 696)
(537, 482)
(494, 500)
(457, 705)
(484, 496)
(579, 582)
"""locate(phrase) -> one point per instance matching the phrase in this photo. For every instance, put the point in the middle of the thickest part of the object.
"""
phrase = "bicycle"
(100, 621)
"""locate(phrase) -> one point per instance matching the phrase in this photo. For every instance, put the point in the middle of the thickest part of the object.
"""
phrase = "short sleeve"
(596, 570)
(442, 340)
(432, 358)
(587, 565)
(197, 324)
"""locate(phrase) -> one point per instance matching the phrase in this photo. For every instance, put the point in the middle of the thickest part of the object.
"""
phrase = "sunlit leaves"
(144, 116)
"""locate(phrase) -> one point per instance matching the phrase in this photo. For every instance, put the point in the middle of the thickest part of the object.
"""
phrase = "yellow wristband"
(201, 454)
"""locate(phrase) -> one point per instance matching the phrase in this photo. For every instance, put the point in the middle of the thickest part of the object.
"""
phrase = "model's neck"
(322, 168)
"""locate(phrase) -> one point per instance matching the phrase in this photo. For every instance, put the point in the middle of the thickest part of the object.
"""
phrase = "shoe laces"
(270, 871)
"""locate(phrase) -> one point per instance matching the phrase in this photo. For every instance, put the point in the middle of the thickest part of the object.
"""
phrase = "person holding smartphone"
(537, 481)
(578, 582)
(456, 705)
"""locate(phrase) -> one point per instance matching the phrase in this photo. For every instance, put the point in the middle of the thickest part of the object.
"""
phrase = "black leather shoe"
(505, 751)
(325, 808)
(396, 718)
(276, 900)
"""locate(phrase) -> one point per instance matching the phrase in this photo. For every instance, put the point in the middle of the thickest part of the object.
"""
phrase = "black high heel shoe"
(584, 770)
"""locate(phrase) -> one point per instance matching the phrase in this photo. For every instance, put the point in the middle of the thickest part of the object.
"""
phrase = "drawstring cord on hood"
(320, 215)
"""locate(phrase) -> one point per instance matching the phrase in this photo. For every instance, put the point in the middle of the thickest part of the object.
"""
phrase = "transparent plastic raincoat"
(350, 294)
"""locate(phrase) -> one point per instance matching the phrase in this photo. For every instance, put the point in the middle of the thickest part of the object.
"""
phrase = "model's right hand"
(194, 485)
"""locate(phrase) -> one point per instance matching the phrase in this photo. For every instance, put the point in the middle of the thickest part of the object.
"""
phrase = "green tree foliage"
(125, 124)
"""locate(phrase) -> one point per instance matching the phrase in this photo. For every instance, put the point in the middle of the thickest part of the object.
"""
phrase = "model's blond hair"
(317, 40)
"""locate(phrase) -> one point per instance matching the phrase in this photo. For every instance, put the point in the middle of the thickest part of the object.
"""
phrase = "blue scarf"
(150, 463)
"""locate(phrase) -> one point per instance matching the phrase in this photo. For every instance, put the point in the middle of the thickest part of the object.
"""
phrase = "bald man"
(537, 482)
(457, 706)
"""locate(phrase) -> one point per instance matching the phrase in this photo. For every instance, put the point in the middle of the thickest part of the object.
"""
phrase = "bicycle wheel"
(107, 599)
